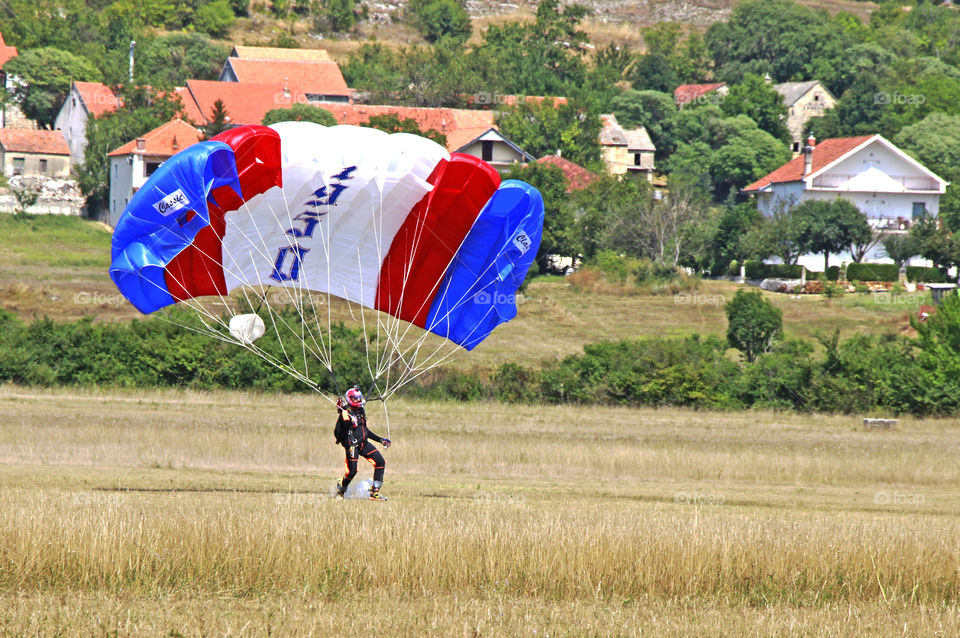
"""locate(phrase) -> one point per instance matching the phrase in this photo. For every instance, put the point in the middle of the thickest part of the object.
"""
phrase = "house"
(803, 101)
(577, 176)
(85, 99)
(493, 147)
(461, 127)
(626, 151)
(889, 186)
(10, 115)
(135, 161)
(311, 71)
(245, 102)
(34, 153)
(690, 93)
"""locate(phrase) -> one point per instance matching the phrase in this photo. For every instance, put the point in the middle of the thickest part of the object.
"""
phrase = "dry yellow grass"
(210, 514)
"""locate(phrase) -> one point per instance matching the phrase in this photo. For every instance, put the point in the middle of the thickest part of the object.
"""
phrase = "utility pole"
(132, 44)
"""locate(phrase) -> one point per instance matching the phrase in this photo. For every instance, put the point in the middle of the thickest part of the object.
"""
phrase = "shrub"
(873, 272)
(926, 275)
(833, 273)
(753, 324)
(760, 270)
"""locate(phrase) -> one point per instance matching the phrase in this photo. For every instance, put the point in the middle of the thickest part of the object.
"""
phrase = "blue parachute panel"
(478, 291)
(163, 218)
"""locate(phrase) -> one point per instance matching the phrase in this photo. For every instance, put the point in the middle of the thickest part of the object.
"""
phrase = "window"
(919, 210)
(487, 153)
(638, 159)
(150, 167)
(43, 166)
(116, 170)
(18, 165)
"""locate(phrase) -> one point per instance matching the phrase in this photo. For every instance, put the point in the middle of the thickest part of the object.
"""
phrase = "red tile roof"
(577, 176)
(824, 153)
(686, 93)
(165, 140)
(6, 52)
(97, 97)
(28, 141)
(460, 126)
(322, 78)
(274, 53)
(245, 102)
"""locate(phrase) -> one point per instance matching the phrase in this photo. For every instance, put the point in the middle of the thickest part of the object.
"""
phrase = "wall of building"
(806, 107)
(57, 165)
(72, 120)
(617, 159)
(122, 170)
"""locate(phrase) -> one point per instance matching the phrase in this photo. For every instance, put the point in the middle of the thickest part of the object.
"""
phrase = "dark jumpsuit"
(353, 434)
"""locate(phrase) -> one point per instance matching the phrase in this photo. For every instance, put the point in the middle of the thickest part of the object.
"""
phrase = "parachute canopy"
(394, 223)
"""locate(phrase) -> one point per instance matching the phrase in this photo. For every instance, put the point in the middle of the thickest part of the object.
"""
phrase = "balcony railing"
(909, 182)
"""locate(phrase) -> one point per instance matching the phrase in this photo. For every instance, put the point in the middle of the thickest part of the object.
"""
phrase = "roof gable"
(97, 98)
(824, 154)
(611, 134)
(6, 52)
(164, 141)
(493, 135)
(793, 91)
(577, 176)
(33, 141)
(639, 140)
(322, 78)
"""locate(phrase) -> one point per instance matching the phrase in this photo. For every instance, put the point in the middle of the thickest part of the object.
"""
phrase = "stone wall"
(56, 196)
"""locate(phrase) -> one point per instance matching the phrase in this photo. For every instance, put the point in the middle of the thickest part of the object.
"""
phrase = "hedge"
(760, 270)
(926, 275)
(873, 272)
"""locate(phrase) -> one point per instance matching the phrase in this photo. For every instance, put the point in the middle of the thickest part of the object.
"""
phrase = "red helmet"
(355, 398)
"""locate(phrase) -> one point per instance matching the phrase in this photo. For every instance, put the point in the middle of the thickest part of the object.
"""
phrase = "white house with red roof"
(85, 100)
(889, 186)
(134, 162)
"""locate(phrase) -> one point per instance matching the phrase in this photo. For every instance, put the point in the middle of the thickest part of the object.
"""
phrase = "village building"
(310, 71)
(626, 151)
(34, 153)
(696, 93)
(244, 103)
(134, 162)
(890, 187)
(10, 115)
(494, 148)
(803, 100)
(85, 100)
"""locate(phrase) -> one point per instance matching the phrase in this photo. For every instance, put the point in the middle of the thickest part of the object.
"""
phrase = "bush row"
(889, 374)
(855, 272)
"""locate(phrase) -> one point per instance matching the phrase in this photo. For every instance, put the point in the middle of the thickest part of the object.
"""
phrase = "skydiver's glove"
(385, 443)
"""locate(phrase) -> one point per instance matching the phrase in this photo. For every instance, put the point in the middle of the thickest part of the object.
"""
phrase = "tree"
(656, 112)
(219, 120)
(653, 72)
(935, 143)
(142, 110)
(558, 216)
(44, 78)
(171, 60)
(542, 128)
(300, 113)
(214, 18)
(393, 123)
(829, 226)
(732, 239)
(775, 235)
(935, 243)
(438, 19)
(753, 324)
(900, 247)
(761, 103)
(336, 16)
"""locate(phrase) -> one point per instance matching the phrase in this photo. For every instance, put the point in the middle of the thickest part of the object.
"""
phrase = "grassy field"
(58, 267)
(173, 513)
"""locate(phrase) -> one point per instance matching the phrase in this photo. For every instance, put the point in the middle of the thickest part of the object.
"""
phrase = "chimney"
(767, 79)
(176, 144)
(286, 90)
(558, 153)
(808, 155)
(141, 144)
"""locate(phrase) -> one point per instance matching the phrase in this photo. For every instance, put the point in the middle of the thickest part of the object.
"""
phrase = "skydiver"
(352, 433)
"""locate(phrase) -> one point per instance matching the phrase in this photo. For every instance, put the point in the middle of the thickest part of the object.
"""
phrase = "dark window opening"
(919, 210)
(487, 152)
(18, 165)
(43, 166)
(150, 167)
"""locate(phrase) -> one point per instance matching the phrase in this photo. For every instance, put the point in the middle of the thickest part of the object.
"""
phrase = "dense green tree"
(335, 16)
(142, 110)
(760, 102)
(214, 18)
(731, 238)
(44, 76)
(542, 128)
(936, 243)
(827, 227)
(653, 72)
(218, 120)
(558, 234)
(393, 123)
(438, 19)
(171, 60)
(300, 113)
(753, 324)
(900, 247)
(655, 111)
(935, 143)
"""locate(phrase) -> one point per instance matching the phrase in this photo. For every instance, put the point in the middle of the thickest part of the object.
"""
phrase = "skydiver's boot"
(375, 494)
(341, 488)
